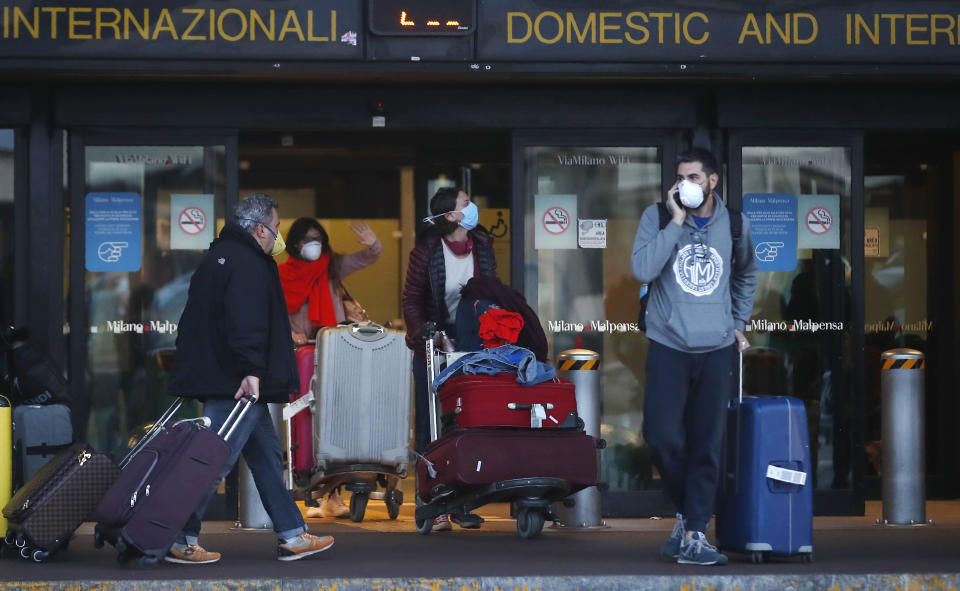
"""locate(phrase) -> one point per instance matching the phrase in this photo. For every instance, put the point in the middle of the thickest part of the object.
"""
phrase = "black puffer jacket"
(235, 325)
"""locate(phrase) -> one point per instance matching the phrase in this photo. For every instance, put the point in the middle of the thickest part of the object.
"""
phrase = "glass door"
(803, 195)
(581, 198)
(144, 208)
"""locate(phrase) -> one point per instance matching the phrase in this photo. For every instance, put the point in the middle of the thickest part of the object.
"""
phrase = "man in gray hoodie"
(701, 284)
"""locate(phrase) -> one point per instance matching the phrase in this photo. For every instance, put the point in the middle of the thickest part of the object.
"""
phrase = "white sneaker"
(333, 506)
(314, 512)
(442, 523)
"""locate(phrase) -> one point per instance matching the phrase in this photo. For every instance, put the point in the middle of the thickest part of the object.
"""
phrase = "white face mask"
(311, 250)
(691, 194)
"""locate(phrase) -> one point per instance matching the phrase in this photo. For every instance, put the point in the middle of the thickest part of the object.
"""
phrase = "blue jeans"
(256, 437)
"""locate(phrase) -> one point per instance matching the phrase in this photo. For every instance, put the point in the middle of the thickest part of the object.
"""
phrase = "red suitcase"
(477, 457)
(301, 424)
(499, 401)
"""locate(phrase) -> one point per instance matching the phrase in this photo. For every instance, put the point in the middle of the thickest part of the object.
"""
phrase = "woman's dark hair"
(297, 233)
(443, 200)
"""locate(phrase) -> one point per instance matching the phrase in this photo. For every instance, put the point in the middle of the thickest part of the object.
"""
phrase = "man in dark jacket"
(234, 342)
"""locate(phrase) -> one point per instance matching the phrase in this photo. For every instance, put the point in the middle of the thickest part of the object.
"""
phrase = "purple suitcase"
(162, 482)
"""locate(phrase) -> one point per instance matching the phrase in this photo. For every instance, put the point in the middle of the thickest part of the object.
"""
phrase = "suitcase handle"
(518, 406)
(154, 429)
(233, 419)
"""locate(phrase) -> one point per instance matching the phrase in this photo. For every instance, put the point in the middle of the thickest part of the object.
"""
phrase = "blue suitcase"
(766, 493)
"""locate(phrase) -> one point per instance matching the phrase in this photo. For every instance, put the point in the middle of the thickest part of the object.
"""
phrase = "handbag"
(352, 310)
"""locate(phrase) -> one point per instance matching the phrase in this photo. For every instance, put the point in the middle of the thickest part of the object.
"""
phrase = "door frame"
(825, 501)
(635, 503)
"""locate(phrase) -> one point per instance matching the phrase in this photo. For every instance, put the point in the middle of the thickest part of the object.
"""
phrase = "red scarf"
(309, 281)
(460, 248)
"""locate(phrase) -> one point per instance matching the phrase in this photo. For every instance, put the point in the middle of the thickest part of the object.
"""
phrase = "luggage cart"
(532, 498)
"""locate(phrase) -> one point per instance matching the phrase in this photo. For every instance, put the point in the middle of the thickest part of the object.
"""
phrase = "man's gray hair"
(254, 209)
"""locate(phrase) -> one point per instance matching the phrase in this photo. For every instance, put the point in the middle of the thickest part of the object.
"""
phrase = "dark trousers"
(684, 414)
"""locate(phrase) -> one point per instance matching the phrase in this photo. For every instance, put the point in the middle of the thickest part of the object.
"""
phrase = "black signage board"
(422, 18)
(772, 31)
(316, 30)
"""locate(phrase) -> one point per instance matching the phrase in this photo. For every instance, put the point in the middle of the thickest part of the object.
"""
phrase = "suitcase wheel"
(149, 561)
(529, 522)
(808, 557)
(20, 541)
(424, 526)
(25, 552)
(394, 500)
(40, 556)
(757, 557)
(358, 505)
(10, 539)
(97, 539)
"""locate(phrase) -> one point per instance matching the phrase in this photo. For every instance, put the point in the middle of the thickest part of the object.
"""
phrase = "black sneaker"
(468, 521)
(697, 550)
(671, 548)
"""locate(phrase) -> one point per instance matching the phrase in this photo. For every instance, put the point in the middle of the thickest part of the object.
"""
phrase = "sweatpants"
(684, 415)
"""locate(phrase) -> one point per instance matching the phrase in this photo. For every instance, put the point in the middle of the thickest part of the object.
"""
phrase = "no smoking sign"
(556, 220)
(819, 220)
(192, 220)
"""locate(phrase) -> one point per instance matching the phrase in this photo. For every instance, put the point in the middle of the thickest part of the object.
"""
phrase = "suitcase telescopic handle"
(519, 406)
(153, 431)
(740, 374)
(236, 415)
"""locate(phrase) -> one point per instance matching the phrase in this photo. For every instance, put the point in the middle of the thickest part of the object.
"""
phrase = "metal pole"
(581, 366)
(251, 513)
(903, 432)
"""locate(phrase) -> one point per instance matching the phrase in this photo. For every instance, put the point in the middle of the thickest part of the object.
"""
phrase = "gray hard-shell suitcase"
(40, 433)
(362, 391)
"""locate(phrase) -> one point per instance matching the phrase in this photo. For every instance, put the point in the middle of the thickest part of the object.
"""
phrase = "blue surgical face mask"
(471, 216)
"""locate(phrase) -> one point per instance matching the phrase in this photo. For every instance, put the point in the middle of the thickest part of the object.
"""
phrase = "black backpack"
(736, 230)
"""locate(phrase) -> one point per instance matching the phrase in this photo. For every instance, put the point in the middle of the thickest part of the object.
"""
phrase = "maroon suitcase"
(477, 457)
(499, 401)
(301, 424)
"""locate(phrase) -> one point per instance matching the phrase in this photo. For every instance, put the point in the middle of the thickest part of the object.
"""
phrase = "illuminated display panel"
(422, 17)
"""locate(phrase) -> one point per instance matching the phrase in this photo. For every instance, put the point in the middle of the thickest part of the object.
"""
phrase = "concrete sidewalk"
(378, 554)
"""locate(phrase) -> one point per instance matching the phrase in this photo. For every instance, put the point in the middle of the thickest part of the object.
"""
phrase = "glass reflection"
(587, 297)
(787, 358)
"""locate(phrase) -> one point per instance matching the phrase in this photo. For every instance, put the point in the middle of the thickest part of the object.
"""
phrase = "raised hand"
(365, 235)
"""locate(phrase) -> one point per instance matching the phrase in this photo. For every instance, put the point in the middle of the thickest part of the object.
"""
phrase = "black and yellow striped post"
(903, 432)
(581, 366)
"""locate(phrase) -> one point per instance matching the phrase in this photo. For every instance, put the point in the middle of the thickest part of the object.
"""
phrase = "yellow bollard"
(6, 458)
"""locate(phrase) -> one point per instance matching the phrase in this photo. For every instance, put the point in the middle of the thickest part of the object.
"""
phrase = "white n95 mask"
(691, 194)
(311, 250)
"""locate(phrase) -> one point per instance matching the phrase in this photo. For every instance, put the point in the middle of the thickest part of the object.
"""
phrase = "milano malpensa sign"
(498, 30)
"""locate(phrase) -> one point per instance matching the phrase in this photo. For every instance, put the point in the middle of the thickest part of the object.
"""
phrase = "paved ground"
(850, 552)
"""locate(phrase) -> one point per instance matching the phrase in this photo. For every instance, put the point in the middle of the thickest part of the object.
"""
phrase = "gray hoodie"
(695, 301)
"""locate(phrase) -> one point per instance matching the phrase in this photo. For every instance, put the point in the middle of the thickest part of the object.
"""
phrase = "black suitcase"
(44, 513)
(163, 480)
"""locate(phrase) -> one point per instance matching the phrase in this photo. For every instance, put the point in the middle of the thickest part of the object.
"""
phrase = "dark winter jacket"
(235, 325)
(423, 291)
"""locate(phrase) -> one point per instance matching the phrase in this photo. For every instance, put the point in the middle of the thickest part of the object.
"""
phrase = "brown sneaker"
(183, 554)
(302, 546)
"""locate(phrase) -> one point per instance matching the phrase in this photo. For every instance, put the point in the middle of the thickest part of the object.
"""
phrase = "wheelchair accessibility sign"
(112, 228)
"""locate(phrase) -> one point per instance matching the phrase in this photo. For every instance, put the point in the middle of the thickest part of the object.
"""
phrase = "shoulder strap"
(736, 224)
(664, 214)
(736, 231)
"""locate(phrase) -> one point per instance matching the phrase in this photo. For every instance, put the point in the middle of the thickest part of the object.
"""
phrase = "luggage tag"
(537, 415)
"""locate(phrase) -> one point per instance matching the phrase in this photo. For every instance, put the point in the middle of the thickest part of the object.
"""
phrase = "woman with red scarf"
(451, 250)
(311, 280)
